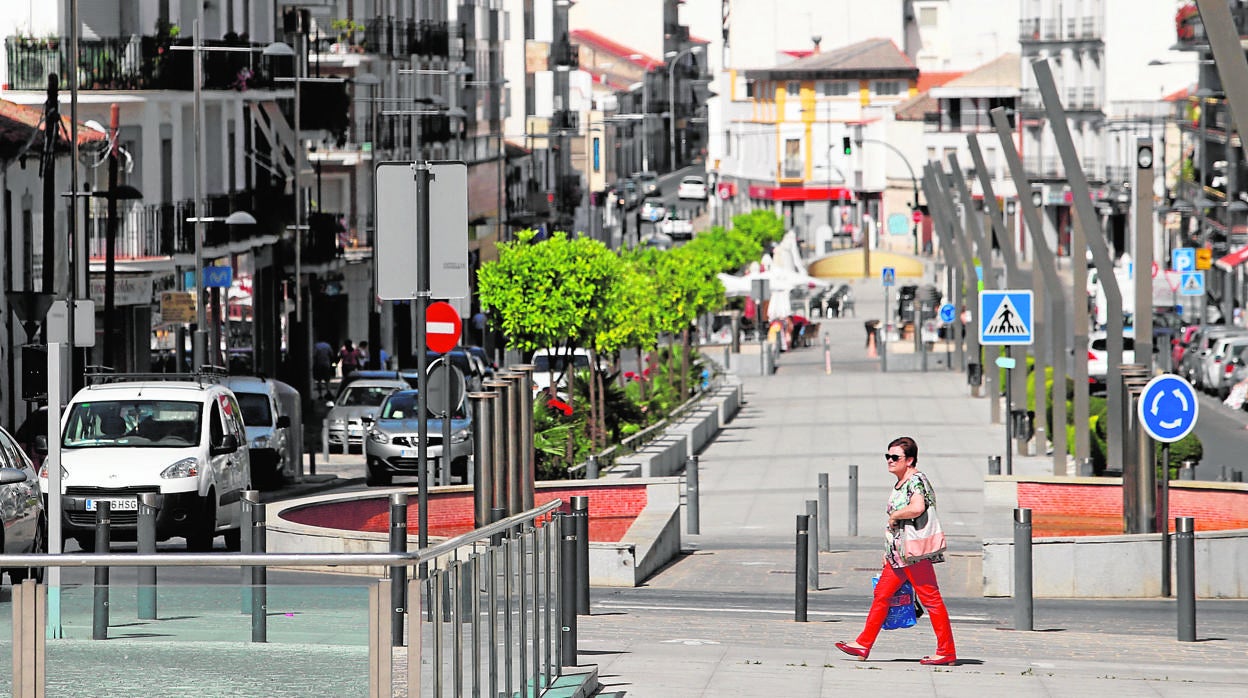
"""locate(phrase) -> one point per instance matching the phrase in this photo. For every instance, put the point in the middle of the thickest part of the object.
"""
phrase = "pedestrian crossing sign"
(1192, 283)
(1005, 317)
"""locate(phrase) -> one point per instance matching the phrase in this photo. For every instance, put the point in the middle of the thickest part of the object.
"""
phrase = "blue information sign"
(1005, 317)
(948, 313)
(1183, 259)
(889, 277)
(1168, 408)
(218, 277)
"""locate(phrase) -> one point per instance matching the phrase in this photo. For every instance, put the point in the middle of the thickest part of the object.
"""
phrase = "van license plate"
(115, 504)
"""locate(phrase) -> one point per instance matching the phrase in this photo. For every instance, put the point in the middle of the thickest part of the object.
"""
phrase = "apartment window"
(750, 89)
(834, 88)
(886, 88)
(928, 17)
(793, 88)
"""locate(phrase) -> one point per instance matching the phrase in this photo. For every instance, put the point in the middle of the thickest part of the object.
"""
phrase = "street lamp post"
(671, 102)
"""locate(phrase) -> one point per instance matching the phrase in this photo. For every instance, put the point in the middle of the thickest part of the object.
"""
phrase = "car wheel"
(373, 477)
(233, 539)
(200, 540)
(38, 545)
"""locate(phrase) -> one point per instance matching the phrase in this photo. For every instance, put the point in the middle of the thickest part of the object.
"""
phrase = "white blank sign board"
(397, 249)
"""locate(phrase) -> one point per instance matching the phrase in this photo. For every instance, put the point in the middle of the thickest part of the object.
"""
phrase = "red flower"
(629, 375)
(560, 405)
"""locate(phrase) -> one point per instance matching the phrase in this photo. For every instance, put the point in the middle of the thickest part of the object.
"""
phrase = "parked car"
(628, 194)
(1212, 369)
(1098, 365)
(676, 225)
(653, 210)
(271, 441)
(358, 400)
(393, 439)
(691, 188)
(1179, 343)
(657, 241)
(22, 515)
(648, 182)
(554, 364)
(1235, 370)
(183, 439)
(1197, 349)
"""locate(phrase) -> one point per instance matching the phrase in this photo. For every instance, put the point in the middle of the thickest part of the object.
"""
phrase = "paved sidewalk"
(712, 625)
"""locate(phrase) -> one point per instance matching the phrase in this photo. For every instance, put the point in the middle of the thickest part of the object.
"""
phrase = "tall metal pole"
(1044, 259)
(975, 233)
(1144, 253)
(199, 342)
(75, 259)
(422, 359)
(671, 103)
(110, 244)
(1105, 270)
(943, 225)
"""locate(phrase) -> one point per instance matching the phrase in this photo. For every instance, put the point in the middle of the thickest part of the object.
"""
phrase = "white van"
(183, 439)
(271, 443)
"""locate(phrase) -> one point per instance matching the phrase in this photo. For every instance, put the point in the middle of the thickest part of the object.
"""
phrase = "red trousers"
(922, 577)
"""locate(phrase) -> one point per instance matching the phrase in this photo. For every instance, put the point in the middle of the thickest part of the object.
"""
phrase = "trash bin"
(974, 374)
(1023, 424)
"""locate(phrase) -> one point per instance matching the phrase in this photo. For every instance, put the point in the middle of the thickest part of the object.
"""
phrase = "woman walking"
(911, 496)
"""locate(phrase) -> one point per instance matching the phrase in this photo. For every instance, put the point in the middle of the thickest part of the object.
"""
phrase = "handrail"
(407, 559)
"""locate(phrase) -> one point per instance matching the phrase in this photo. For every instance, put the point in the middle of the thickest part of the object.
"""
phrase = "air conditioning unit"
(31, 68)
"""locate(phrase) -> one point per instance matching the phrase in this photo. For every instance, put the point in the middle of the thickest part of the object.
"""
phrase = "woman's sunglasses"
(892, 457)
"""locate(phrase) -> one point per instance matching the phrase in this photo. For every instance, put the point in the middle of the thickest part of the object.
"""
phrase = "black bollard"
(812, 539)
(103, 524)
(825, 528)
(802, 546)
(994, 465)
(497, 514)
(398, 573)
(246, 534)
(591, 467)
(1185, 575)
(580, 518)
(692, 512)
(259, 576)
(1023, 607)
(567, 598)
(148, 506)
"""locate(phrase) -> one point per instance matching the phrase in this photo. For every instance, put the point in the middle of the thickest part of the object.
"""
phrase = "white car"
(676, 225)
(556, 363)
(653, 210)
(1213, 368)
(692, 188)
(1098, 366)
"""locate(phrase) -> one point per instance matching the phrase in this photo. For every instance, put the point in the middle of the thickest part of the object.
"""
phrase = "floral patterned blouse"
(898, 499)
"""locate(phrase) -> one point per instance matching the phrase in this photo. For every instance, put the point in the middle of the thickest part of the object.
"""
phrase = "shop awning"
(760, 191)
(1234, 259)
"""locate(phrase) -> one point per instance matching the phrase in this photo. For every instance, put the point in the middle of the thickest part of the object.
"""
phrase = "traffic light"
(846, 146)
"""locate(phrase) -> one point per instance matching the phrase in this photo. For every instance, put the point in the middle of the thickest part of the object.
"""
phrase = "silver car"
(21, 508)
(359, 399)
(393, 441)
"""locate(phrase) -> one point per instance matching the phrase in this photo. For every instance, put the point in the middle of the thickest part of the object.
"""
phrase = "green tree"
(763, 225)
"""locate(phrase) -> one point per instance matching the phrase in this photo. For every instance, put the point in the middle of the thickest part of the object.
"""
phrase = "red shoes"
(939, 660)
(859, 652)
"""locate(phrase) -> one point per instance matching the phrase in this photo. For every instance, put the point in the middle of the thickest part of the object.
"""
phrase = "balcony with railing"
(139, 63)
(153, 231)
(565, 55)
(1190, 31)
(565, 120)
(1050, 30)
(400, 38)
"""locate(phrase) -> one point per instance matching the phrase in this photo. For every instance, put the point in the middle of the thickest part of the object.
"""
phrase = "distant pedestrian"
(362, 350)
(322, 366)
(348, 358)
(910, 498)
(383, 359)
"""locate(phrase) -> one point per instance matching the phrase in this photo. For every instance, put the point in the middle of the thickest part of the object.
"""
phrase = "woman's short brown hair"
(907, 445)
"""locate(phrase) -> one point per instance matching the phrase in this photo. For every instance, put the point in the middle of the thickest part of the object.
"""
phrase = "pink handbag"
(922, 537)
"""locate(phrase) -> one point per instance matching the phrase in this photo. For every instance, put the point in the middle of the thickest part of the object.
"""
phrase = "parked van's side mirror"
(41, 444)
(9, 476)
(283, 422)
(228, 444)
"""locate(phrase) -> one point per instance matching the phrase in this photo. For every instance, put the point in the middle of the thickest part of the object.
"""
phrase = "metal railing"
(507, 573)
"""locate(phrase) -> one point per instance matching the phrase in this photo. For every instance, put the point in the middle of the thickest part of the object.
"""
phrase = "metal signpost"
(760, 289)
(1167, 411)
(1005, 319)
(405, 192)
(943, 225)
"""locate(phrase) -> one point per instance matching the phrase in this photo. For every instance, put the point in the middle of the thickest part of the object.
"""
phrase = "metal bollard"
(853, 501)
(827, 356)
(1237, 475)
(398, 573)
(1187, 470)
(580, 527)
(1023, 606)
(1226, 474)
(259, 576)
(149, 504)
(103, 530)
(567, 598)
(591, 467)
(802, 547)
(483, 405)
(692, 512)
(245, 526)
(825, 527)
(1185, 575)
(497, 514)
(812, 539)
(727, 357)
(994, 465)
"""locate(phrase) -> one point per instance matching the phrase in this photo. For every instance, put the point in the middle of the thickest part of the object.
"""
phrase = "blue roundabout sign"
(1168, 408)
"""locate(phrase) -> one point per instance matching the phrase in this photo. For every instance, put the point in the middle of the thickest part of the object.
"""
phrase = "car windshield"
(691, 180)
(149, 423)
(364, 396)
(256, 412)
(1099, 344)
(403, 406)
(547, 362)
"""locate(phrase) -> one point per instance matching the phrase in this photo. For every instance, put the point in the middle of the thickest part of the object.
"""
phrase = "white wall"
(1137, 31)
(640, 26)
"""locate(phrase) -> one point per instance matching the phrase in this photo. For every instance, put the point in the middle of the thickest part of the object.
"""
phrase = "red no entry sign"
(442, 327)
